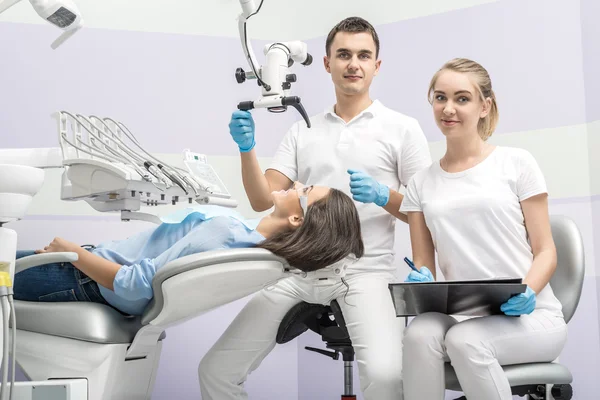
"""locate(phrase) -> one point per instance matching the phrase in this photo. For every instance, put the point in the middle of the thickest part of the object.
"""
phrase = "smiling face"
(457, 104)
(352, 62)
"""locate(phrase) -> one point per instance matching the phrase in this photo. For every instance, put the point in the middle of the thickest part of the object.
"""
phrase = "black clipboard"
(475, 298)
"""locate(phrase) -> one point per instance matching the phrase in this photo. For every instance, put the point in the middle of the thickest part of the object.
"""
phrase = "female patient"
(484, 208)
(311, 227)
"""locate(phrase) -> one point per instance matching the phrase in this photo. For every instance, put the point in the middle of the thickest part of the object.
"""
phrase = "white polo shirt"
(385, 144)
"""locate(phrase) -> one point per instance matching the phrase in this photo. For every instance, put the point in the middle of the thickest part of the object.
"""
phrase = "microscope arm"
(249, 9)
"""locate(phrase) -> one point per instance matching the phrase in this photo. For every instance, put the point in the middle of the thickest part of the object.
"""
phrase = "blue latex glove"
(522, 303)
(424, 275)
(367, 190)
(241, 128)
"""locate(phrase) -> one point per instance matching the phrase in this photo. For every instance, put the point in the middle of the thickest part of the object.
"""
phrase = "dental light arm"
(274, 77)
(60, 13)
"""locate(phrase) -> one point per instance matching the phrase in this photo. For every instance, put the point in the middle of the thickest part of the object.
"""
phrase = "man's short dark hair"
(352, 25)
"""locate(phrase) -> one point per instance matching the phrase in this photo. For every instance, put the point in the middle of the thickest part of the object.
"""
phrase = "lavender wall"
(590, 29)
(183, 86)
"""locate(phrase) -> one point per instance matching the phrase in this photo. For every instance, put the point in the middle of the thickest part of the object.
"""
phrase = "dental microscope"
(274, 77)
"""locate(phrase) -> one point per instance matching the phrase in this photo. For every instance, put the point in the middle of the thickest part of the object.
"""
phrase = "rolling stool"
(328, 322)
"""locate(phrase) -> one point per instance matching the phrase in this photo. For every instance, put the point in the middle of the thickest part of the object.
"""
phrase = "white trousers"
(370, 317)
(476, 348)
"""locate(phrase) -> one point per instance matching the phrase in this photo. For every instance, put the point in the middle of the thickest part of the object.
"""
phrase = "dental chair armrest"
(192, 285)
(45, 258)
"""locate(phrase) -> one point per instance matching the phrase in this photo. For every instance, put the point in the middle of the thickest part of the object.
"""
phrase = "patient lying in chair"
(311, 227)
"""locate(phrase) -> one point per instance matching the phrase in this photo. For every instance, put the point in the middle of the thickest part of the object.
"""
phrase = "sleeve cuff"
(123, 288)
(290, 173)
(532, 193)
(409, 208)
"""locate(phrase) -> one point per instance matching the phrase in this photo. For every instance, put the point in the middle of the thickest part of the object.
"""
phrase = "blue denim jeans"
(56, 282)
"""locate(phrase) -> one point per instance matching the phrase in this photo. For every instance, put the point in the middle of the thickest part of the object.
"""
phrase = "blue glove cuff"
(245, 150)
(383, 195)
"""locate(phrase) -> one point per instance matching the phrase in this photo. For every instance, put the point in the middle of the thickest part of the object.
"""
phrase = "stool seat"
(326, 321)
(300, 318)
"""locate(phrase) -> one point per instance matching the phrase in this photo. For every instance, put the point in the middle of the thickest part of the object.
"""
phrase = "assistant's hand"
(58, 245)
(522, 303)
(367, 190)
(424, 275)
(241, 128)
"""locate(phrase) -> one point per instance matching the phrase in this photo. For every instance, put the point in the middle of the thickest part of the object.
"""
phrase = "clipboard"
(476, 298)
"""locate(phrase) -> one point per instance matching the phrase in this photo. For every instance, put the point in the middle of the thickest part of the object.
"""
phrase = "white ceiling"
(278, 19)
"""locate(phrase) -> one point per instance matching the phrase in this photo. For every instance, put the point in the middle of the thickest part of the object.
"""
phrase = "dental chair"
(538, 381)
(117, 355)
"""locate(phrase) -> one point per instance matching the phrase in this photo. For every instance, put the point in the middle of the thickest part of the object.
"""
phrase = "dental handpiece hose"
(7, 314)
(5, 344)
(13, 321)
(3, 383)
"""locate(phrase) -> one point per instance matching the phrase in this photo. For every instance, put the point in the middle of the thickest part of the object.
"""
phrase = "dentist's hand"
(241, 128)
(424, 275)
(523, 303)
(367, 190)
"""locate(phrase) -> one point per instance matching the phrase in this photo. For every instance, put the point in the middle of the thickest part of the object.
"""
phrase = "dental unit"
(107, 167)
(88, 351)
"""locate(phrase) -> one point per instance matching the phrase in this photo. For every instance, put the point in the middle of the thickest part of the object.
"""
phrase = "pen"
(410, 264)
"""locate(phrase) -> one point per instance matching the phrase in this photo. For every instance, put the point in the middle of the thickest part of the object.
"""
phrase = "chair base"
(56, 389)
(109, 375)
(541, 392)
(545, 392)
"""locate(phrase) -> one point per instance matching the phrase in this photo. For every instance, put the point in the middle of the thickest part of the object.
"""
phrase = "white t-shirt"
(475, 217)
(385, 144)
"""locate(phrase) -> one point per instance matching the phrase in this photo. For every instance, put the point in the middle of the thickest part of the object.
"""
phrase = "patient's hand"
(58, 245)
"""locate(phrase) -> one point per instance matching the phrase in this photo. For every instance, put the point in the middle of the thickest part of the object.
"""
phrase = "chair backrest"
(567, 280)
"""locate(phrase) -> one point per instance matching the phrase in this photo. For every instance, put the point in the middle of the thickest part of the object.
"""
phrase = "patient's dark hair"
(330, 232)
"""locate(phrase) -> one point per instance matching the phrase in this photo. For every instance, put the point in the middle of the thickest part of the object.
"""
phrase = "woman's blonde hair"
(482, 82)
